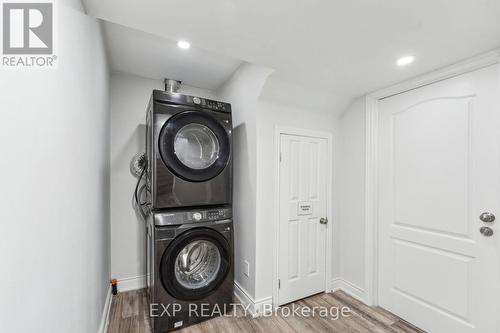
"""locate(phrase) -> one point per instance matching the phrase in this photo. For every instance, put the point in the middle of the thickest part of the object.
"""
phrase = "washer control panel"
(192, 216)
(208, 215)
(218, 214)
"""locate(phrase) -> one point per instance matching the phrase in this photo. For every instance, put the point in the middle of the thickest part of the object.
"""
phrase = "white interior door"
(439, 169)
(302, 233)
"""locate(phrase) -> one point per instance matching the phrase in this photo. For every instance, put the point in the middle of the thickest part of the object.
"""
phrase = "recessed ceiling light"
(182, 44)
(405, 60)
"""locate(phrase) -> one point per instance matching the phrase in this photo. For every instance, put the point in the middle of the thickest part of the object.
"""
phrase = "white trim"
(103, 326)
(371, 200)
(279, 130)
(447, 72)
(132, 283)
(349, 288)
(371, 186)
(255, 307)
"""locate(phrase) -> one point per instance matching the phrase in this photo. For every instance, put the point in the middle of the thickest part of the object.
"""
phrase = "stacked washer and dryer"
(190, 229)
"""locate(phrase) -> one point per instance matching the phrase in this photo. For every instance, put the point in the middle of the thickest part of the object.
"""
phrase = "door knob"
(487, 217)
(486, 231)
(323, 220)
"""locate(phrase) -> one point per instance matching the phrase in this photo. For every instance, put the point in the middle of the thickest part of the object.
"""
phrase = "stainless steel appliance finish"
(188, 146)
(189, 264)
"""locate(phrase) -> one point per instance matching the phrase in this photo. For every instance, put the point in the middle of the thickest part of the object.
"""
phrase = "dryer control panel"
(175, 98)
(192, 216)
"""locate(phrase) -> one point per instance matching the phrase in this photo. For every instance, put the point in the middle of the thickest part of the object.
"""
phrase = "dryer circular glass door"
(194, 146)
(195, 264)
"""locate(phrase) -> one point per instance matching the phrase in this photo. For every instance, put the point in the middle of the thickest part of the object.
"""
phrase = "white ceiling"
(341, 48)
(151, 56)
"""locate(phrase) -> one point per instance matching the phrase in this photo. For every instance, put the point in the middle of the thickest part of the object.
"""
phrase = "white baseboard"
(258, 307)
(255, 307)
(133, 283)
(103, 327)
(349, 288)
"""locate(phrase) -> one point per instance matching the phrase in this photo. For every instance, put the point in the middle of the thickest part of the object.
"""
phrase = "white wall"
(242, 90)
(352, 195)
(270, 115)
(129, 98)
(54, 230)
(254, 122)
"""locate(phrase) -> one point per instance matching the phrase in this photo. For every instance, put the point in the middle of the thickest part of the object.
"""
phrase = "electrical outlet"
(246, 268)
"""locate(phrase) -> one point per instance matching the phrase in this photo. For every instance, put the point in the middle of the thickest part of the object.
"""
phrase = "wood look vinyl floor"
(129, 314)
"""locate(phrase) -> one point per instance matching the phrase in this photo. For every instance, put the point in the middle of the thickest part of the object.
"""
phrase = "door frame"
(371, 155)
(280, 130)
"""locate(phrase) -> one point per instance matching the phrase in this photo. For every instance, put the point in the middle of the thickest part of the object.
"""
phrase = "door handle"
(487, 217)
(486, 231)
(323, 220)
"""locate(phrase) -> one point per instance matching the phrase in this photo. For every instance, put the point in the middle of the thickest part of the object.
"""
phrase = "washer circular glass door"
(194, 146)
(195, 264)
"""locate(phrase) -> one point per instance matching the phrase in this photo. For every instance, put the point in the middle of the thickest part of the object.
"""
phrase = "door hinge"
(280, 156)
(279, 284)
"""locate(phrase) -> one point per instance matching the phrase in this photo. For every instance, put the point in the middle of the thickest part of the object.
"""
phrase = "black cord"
(137, 203)
(141, 191)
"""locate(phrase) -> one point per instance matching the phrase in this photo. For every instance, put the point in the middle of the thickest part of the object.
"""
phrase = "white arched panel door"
(439, 170)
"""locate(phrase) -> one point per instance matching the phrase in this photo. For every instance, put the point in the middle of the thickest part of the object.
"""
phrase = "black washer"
(167, 264)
